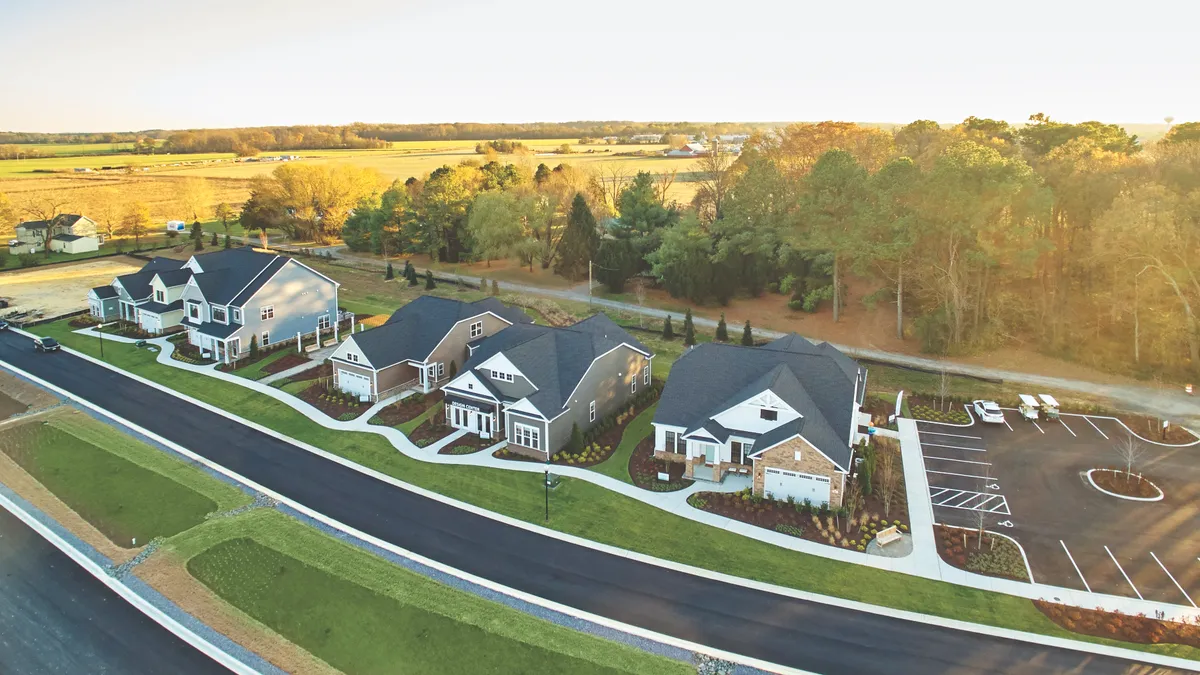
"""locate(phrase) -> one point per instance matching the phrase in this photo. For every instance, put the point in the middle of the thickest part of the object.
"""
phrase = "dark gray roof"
(105, 292)
(225, 274)
(159, 308)
(68, 237)
(818, 381)
(414, 330)
(32, 225)
(218, 330)
(259, 281)
(555, 359)
(137, 285)
(65, 220)
(177, 277)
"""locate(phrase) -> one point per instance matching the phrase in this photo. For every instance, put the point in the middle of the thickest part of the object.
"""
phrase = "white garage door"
(353, 383)
(151, 322)
(780, 484)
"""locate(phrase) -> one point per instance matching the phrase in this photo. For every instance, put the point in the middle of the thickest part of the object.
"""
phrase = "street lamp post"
(546, 485)
(100, 332)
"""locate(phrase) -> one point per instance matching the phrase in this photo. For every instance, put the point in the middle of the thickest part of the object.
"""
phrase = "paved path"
(778, 626)
(57, 618)
(1173, 404)
(316, 358)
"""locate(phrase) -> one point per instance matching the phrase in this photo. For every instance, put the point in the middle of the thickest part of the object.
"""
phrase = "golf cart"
(1028, 407)
(1050, 406)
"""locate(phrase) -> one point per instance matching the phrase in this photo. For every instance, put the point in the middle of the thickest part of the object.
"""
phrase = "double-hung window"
(265, 339)
(592, 412)
(527, 436)
(671, 441)
(502, 377)
(266, 313)
(160, 296)
(646, 376)
(633, 385)
(237, 314)
(476, 329)
(218, 314)
(194, 310)
(323, 322)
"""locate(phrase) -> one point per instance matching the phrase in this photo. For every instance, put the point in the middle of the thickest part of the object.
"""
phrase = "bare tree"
(943, 386)
(1130, 451)
(853, 501)
(714, 181)
(48, 208)
(609, 180)
(888, 478)
(663, 183)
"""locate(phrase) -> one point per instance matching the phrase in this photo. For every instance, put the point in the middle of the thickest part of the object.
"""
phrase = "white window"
(797, 455)
(267, 312)
(265, 339)
(194, 310)
(503, 377)
(437, 369)
(323, 322)
(672, 441)
(646, 376)
(476, 329)
(527, 436)
(160, 296)
(633, 385)
(237, 314)
(592, 412)
(352, 357)
(218, 314)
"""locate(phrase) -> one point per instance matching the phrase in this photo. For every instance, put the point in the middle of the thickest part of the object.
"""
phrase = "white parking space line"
(938, 433)
(1114, 559)
(1089, 421)
(968, 500)
(1164, 568)
(1067, 427)
(952, 447)
(964, 461)
(1039, 428)
(1077, 571)
(1008, 425)
(962, 475)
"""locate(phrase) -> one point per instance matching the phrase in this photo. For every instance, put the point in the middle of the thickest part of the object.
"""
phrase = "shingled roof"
(414, 330)
(137, 285)
(232, 275)
(555, 359)
(816, 380)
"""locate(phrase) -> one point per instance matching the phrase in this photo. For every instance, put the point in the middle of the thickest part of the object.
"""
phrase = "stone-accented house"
(68, 233)
(530, 384)
(786, 413)
(419, 346)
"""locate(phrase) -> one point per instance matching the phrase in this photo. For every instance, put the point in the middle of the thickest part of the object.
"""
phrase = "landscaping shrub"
(790, 530)
(954, 416)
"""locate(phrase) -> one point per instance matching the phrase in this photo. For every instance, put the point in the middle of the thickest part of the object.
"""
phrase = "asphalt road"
(57, 618)
(795, 633)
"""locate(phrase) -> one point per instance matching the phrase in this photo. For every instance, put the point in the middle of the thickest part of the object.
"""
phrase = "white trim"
(263, 310)
(506, 364)
(524, 407)
(592, 412)
(338, 353)
(532, 433)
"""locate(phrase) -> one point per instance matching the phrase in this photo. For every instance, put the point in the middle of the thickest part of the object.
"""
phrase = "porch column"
(335, 326)
(299, 343)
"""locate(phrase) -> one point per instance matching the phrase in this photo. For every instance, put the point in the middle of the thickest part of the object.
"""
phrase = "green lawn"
(411, 425)
(617, 466)
(107, 248)
(122, 487)
(364, 615)
(627, 523)
(255, 371)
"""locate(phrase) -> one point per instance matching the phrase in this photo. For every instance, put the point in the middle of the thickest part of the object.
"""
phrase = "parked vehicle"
(1029, 408)
(3, 324)
(46, 345)
(988, 411)
(1050, 406)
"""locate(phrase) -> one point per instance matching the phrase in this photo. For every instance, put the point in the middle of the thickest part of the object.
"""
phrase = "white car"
(988, 411)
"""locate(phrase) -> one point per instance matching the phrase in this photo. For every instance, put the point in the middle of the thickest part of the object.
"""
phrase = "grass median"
(576, 508)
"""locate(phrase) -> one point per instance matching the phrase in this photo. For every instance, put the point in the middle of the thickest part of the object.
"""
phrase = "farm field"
(79, 148)
(31, 168)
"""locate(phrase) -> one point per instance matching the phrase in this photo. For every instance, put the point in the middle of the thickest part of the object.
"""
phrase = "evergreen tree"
(495, 288)
(213, 242)
(429, 285)
(689, 330)
(197, 236)
(542, 173)
(409, 272)
(747, 335)
(227, 242)
(453, 369)
(580, 242)
(253, 346)
(576, 443)
(668, 332)
(389, 274)
(722, 330)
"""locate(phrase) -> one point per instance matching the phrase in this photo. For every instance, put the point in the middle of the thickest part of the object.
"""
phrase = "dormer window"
(218, 314)
(237, 314)
(477, 330)
(768, 415)
(160, 296)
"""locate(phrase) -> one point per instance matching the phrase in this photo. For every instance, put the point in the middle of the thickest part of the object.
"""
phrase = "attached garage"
(781, 484)
(353, 383)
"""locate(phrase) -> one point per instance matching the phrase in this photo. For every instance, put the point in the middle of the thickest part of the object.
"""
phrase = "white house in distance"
(69, 233)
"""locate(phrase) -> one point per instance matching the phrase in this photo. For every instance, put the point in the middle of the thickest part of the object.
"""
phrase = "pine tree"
(495, 288)
(409, 272)
(722, 330)
(689, 330)
(197, 236)
(747, 335)
(580, 241)
(668, 332)
(227, 242)
(390, 274)
(575, 445)
(429, 285)
(213, 242)
(253, 346)
(453, 369)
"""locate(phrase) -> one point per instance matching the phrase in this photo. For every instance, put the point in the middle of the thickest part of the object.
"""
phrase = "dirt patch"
(338, 405)
(325, 370)
(283, 363)
(994, 556)
(167, 572)
(10, 406)
(1151, 428)
(1117, 626)
(1128, 485)
(63, 289)
(31, 396)
(644, 469)
(408, 409)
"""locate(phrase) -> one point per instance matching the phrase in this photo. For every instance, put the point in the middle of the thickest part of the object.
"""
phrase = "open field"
(30, 168)
(61, 289)
(64, 149)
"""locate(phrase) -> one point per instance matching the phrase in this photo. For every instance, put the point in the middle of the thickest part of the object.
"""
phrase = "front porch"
(221, 350)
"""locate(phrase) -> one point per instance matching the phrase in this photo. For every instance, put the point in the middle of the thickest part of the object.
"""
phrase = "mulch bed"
(1129, 485)
(505, 453)
(431, 431)
(283, 363)
(643, 469)
(604, 445)
(933, 410)
(468, 445)
(996, 557)
(340, 407)
(1117, 626)
(880, 410)
(323, 370)
(83, 322)
(1151, 428)
(189, 353)
(408, 409)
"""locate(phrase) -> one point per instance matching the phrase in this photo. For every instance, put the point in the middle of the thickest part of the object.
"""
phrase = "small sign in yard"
(664, 476)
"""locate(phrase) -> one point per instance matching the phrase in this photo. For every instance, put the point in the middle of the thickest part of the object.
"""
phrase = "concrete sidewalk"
(316, 359)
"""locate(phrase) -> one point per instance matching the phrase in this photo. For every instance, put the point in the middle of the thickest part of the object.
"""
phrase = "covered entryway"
(781, 484)
(354, 383)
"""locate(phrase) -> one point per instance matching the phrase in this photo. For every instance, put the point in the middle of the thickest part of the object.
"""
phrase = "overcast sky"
(83, 65)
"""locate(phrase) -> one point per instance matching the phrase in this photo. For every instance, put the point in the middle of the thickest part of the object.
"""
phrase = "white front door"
(354, 383)
(781, 484)
(485, 426)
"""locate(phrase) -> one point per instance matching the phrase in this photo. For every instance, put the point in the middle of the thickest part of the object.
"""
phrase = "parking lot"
(1028, 480)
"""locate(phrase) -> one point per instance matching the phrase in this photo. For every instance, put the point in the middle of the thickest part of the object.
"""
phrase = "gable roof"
(64, 220)
(555, 359)
(137, 285)
(816, 380)
(416, 329)
(172, 278)
(105, 292)
(225, 274)
(68, 237)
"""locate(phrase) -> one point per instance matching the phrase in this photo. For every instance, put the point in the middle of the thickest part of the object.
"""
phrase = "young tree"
(253, 346)
(852, 502)
(580, 242)
(495, 288)
(747, 335)
(228, 244)
(412, 276)
(429, 283)
(575, 445)
(722, 330)
(668, 332)
(1130, 451)
(453, 369)
(888, 479)
(409, 272)
(197, 236)
(390, 273)
(135, 222)
(213, 240)
(689, 329)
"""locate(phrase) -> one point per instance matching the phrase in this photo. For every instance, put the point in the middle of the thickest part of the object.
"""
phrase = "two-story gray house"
(530, 384)
(237, 295)
(122, 297)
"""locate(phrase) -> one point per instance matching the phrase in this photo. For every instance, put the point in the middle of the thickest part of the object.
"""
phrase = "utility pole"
(589, 282)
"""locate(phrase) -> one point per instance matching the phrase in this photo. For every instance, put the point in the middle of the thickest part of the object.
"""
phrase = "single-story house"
(103, 303)
(420, 346)
(786, 413)
(531, 384)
